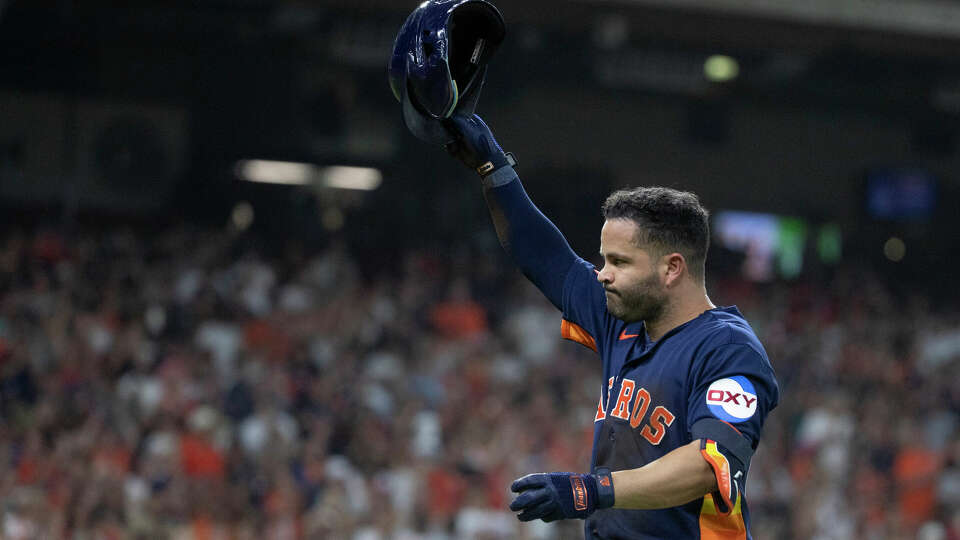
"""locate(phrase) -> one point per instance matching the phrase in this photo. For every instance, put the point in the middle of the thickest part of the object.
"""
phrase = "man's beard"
(645, 301)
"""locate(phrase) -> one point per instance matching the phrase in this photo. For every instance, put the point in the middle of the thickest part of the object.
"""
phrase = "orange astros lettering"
(656, 425)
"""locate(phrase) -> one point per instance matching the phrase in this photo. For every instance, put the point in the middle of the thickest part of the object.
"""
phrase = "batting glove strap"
(559, 495)
(501, 176)
(475, 146)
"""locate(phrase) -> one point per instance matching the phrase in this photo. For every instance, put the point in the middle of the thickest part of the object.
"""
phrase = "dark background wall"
(141, 112)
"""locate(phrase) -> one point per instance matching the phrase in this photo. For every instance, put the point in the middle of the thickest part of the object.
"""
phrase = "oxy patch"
(732, 399)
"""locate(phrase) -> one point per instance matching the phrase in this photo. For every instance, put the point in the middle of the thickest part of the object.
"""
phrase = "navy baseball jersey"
(707, 379)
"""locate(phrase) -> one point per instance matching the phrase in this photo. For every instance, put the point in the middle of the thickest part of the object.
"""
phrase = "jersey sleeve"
(584, 306)
(543, 255)
(731, 394)
(531, 240)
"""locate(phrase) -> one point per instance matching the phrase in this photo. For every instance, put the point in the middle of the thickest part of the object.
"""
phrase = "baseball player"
(686, 384)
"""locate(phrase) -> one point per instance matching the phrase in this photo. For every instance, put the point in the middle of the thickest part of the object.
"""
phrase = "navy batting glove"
(561, 495)
(475, 146)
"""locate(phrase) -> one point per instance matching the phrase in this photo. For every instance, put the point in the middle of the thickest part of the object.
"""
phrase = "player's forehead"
(619, 236)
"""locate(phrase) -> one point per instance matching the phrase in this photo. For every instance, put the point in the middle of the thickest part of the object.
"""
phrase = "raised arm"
(531, 240)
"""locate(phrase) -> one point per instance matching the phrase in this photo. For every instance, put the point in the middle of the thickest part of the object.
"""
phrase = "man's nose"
(604, 275)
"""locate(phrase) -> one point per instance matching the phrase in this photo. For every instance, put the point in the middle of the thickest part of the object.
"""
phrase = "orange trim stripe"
(575, 332)
(731, 425)
(714, 526)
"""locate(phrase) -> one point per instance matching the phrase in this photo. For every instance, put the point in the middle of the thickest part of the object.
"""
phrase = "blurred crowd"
(197, 384)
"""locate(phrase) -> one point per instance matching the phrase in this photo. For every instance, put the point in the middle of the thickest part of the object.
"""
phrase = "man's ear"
(674, 267)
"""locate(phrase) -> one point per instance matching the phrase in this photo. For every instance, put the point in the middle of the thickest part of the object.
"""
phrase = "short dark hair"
(668, 220)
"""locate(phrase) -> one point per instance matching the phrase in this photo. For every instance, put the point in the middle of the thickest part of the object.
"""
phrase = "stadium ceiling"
(898, 27)
(926, 27)
(916, 17)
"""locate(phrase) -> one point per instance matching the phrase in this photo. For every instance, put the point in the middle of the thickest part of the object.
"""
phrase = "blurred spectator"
(182, 384)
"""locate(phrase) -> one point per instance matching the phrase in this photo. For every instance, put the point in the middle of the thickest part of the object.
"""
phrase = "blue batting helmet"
(440, 61)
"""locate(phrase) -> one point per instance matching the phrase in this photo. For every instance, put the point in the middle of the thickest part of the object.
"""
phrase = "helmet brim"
(423, 127)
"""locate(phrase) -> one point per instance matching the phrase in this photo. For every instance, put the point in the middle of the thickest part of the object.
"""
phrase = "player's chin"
(615, 307)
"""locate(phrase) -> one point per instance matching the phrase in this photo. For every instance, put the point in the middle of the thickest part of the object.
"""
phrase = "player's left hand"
(561, 495)
(475, 146)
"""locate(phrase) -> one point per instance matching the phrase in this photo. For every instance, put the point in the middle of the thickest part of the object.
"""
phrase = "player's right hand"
(475, 146)
(561, 495)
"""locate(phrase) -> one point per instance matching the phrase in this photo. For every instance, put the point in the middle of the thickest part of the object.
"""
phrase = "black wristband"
(605, 496)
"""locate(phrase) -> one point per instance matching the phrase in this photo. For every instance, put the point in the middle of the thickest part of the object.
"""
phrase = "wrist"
(605, 494)
(499, 177)
(494, 163)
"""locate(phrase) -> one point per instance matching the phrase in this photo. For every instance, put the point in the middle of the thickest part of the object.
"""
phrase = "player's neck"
(684, 309)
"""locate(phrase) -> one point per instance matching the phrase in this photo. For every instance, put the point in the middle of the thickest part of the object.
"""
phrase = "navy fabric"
(533, 242)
